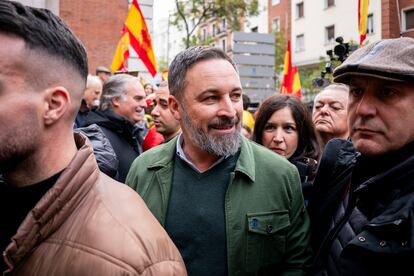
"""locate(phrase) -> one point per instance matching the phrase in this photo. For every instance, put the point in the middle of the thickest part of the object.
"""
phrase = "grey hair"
(334, 86)
(92, 80)
(185, 60)
(114, 87)
(337, 86)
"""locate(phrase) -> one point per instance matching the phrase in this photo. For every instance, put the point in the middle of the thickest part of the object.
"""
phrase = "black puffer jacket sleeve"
(102, 148)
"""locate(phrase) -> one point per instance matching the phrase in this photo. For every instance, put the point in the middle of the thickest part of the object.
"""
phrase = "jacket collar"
(57, 204)
(245, 164)
(393, 188)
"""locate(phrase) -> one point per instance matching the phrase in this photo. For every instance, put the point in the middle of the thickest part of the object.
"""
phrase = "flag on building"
(121, 53)
(362, 19)
(291, 82)
(139, 37)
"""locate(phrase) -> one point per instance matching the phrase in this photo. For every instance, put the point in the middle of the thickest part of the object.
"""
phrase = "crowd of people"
(108, 175)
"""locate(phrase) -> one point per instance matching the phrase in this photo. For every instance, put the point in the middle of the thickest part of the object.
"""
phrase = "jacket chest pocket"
(266, 238)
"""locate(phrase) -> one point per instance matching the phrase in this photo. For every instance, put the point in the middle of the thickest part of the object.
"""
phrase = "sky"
(161, 9)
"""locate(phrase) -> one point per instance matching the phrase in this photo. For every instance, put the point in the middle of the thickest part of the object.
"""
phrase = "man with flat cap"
(362, 213)
(103, 73)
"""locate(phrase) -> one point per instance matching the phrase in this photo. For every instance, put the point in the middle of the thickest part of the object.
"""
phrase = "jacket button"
(383, 243)
(255, 223)
(361, 238)
(269, 228)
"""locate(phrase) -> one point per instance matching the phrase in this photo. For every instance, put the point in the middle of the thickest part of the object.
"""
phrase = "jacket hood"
(109, 120)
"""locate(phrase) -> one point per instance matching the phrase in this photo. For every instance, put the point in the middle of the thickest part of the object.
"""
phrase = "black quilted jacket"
(382, 190)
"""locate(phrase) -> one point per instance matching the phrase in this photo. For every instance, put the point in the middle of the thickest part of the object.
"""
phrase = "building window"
(276, 24)
(370, 24)
(299, 10)
(223, 45)
(330, 34)
(213, 30)
(223, 24)
(275, 2)
(300, 43)
(329, 3)
(204, 38)
(408, 19)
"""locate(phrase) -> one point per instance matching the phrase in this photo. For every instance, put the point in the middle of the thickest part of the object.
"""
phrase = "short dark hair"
(185, 60)
(307, 144)
(45, 32)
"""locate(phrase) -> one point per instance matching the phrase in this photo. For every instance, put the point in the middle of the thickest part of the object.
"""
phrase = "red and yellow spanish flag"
(362, 19)
(136, 34)
(121, 53)
(296, 88)
(291, 82)
(140, 37)
(287, 71)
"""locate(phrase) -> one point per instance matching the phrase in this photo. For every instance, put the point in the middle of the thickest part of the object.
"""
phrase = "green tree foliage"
(280, 50)
(195, 40)
(190, 14)
(162, 64)
(309, 73)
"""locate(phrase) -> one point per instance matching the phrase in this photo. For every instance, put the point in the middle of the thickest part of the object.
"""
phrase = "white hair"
(93, 80)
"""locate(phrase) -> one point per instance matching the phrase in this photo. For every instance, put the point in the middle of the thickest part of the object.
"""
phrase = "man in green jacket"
(231, 206)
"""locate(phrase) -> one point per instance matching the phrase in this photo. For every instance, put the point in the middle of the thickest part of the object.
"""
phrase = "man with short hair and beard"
(231, 206)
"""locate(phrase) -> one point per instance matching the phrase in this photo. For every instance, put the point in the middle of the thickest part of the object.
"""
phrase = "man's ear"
(57, 103)
(115, 101)
(174, 107)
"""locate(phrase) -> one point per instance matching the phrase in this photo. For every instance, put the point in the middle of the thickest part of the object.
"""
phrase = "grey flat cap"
(390, 59)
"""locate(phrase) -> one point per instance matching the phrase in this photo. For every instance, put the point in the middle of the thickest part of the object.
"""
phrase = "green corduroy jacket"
(267, 227)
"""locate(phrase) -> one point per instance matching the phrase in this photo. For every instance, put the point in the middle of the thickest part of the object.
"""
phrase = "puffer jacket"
(104, 153)
(121, 135)
(374, 197)
(89, 224)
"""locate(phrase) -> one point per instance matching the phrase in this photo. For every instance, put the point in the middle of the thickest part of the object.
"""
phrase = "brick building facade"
(280, 17)
(98, 23)
(393, 22)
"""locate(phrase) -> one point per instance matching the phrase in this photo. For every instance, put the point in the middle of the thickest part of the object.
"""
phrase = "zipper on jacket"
(326, 244)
